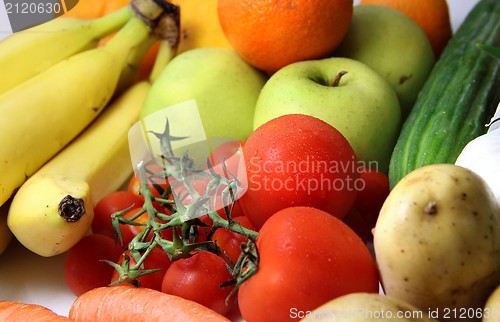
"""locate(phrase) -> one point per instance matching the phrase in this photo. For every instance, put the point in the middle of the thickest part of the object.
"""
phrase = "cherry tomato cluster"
(199, 277)
(298, 195)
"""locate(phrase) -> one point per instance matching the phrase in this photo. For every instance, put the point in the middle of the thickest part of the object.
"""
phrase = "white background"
(5, 28)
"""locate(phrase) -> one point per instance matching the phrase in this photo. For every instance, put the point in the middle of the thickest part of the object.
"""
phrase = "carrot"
(128, 303)
(20, 312)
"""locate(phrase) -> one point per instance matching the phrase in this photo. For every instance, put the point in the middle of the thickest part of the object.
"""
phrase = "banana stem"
(165, 54)
(110, 23)
(168, 31)
(131, 35)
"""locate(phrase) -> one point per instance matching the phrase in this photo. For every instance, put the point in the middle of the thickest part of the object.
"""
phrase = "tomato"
(374, 190)
(201, 234)
(227, 159)
(298, 160)
(108, 205)
(130, 231)
(357, 222)
(199, 278)
(156, 182)
(216, 202)
(83, 266)
(307, 257)
(157, 259)
(230, 242)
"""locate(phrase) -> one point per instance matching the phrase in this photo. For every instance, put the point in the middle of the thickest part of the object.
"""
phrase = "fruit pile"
(258, 161)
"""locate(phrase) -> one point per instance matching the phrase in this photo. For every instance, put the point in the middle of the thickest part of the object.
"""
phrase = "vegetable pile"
(289, 220)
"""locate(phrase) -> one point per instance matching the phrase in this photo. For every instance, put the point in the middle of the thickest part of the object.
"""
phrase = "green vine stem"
(182, 219)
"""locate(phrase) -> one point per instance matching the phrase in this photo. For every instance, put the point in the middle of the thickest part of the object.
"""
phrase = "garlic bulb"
(482, 155)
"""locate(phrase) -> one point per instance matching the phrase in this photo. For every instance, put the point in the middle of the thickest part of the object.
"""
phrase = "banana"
(53, 210)
(43, 114)
(131, 68)
(29, 52)
(5, 233)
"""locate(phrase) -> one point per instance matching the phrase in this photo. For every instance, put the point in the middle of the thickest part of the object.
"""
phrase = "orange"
(270, 34)
(431, 15)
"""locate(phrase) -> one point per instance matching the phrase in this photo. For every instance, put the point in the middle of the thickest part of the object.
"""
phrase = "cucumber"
(457, 100)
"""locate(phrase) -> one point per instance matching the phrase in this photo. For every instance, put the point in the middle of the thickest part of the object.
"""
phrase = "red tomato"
(216, 202)
(108, 205)
(374, 190)
(130, 231)
(307, 257)
(230, 242)
(83, 266)
(199, 278)
(154, 178)
(359, 225)
(298, 160)
(227, 159)
(201, 234)
(156, 259)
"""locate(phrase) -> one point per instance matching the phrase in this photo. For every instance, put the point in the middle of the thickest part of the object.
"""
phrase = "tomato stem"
(245, 267)
(182, 219)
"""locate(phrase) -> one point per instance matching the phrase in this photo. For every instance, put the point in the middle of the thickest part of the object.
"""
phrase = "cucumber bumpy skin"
(457, 100)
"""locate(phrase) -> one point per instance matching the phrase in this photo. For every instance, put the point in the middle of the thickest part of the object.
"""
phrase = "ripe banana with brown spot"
(43, 114)
(53, 210)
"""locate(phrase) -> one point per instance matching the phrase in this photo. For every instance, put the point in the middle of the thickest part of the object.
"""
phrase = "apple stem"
(337, 78)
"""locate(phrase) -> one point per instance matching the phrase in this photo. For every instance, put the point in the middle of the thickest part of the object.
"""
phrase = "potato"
(437, 241)
(491, 311)
(366, 307)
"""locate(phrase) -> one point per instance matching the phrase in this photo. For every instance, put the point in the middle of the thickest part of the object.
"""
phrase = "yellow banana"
(131, 68)
(200, 25)
(53, 210)
(29, 52)
(5, 233)
(43, 114)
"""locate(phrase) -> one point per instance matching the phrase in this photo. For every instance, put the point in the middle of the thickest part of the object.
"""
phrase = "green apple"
(360, 104)
(393, 45)
(223, 85)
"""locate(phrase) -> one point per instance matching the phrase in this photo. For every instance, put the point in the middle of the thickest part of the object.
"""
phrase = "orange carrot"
(128, 303)
(20, 312)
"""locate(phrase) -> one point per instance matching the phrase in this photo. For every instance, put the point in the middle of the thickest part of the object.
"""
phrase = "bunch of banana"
(5, 233)
(31, 51)
(44, 113)
(53, 209)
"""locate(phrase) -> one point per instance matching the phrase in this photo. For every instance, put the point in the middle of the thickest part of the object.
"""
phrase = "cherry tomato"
(230, 242)
(216, 202)
(374, 190)
(307, 257)
(156, 182)
(227, 159)
(199, 278)
(357, 222)
(130, 231)
(108, 205)
(201, 234)
(157, 259)
(298, 160)
(83, 266)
